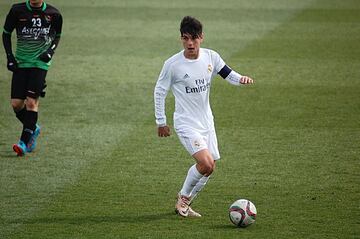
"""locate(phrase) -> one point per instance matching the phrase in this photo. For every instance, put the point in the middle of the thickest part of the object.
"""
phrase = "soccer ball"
(242, 213)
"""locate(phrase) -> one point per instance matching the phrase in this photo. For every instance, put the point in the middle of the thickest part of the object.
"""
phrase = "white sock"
(199, 186)
(191, 180)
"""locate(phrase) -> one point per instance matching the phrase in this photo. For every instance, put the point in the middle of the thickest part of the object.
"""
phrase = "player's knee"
(211, 168)
(208, 167)
(31, 104)
(17, 105)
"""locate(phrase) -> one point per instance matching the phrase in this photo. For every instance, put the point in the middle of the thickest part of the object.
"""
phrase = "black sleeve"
(57, 29)
(10, 22)
(9, 26)
(55, 43)
(7, 43)
(58, 26)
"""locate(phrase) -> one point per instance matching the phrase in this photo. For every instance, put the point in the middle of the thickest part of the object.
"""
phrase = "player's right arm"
(9, 26)
(161, 90)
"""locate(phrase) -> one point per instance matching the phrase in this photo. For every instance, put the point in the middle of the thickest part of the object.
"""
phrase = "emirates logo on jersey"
(201, 86)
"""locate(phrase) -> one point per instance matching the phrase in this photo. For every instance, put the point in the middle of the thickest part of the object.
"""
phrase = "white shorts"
(195, 142)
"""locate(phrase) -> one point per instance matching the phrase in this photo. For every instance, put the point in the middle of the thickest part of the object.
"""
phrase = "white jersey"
(190, 82)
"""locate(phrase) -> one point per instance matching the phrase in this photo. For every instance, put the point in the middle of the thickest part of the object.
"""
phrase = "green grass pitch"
(290, 143)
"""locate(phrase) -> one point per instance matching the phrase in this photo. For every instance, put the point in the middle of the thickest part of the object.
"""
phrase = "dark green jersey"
(36, 29)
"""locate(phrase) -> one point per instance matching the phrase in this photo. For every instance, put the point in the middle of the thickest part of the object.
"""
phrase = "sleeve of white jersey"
(218, 62)
(162, 87)
(232, 77)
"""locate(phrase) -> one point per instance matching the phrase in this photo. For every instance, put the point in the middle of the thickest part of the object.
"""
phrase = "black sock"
(21, 114)
(30, 120)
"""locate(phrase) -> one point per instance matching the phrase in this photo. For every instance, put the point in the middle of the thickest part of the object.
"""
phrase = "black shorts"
(28, 82)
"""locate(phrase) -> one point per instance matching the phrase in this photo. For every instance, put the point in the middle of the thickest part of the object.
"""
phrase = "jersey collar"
(43, 7)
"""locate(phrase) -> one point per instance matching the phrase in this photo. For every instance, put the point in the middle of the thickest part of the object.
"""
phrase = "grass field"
(290, 143)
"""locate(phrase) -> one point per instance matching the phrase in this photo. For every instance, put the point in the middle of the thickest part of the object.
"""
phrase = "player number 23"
(36, 22)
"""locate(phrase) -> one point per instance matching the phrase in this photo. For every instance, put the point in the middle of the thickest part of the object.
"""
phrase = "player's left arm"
(49, 53)
(233, 77)
(227, 73)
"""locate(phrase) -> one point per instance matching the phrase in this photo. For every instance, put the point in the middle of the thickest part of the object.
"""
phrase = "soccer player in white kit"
(189, 74)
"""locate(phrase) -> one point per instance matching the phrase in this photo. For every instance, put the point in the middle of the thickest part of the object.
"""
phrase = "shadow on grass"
(230, 226)
(12, 156)
(225, 226)
(79, 220)
(7, 154)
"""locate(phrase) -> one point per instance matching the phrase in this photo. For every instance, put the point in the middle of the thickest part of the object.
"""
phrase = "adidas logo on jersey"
(186, 76)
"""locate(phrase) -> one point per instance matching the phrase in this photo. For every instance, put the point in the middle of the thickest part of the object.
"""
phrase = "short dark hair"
(192, 26)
